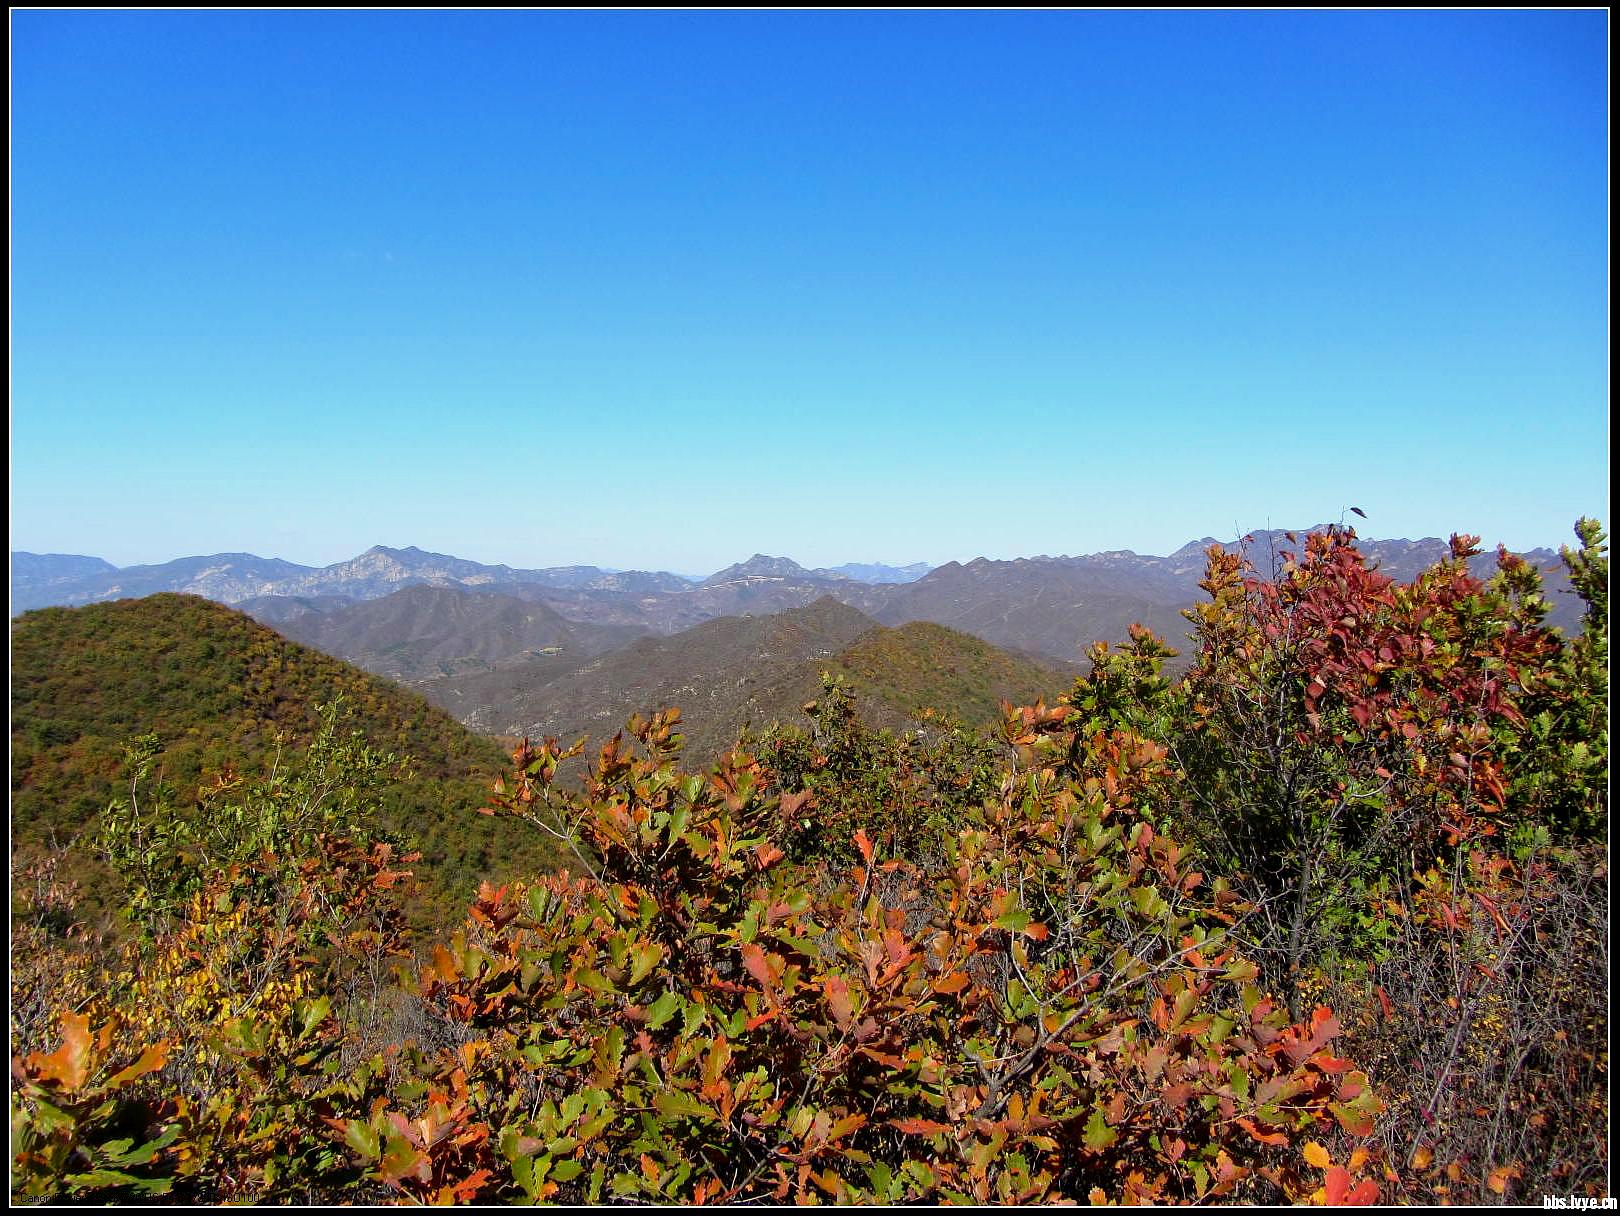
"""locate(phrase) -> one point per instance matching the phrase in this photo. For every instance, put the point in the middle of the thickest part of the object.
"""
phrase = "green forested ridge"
(1322, 921)
(926, 666)
(218, 690)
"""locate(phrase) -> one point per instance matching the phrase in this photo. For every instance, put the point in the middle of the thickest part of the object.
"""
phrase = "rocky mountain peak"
(759, 566)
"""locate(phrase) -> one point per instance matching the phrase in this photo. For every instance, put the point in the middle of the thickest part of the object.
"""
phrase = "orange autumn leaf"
(69, 1064)
(1339, 1193)
(758, 967)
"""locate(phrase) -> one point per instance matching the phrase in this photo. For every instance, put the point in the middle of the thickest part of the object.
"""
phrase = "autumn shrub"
(1408, 782)
(53, 952)
(906, 791)
(1056, 1012)
(80, 1129)
(254, 922)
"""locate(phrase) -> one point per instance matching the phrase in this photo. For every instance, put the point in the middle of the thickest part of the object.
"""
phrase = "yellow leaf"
(152, 1059)
(1317, 1155)
(1422, 1157)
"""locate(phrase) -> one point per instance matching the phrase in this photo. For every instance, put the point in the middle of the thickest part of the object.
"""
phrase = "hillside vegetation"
(219, 691)
(1322, 920)
(923, 666)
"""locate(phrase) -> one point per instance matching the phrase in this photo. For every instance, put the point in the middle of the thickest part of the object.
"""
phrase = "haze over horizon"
(466, 552)
(663, 290)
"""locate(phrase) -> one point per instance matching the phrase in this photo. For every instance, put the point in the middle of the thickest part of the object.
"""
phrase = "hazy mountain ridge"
(1059, 606)
(733, 671)
(226, 578)
(48, 568)
(759, 566)
(425, 631)
(64, 580)
(1050, 610)
(878, 572)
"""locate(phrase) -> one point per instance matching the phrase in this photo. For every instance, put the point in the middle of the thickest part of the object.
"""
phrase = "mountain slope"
(217, 687)
(423, 632)
(923, 665)
(733, 671)
(277, 610)
(721, 673)
(1049, 606)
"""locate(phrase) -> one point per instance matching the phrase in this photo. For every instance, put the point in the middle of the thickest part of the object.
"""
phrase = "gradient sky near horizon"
(661, 290)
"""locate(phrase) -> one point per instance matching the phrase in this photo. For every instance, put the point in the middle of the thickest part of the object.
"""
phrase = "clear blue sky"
(661, 290)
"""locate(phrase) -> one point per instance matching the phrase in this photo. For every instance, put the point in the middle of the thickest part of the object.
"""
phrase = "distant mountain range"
(416, 616)
(40, 580)
(763, 569)
(422, 632)
(876, 572)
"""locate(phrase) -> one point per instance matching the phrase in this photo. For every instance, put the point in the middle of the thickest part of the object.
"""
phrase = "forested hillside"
(722, 673)
(927, 667)
(220, 692)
